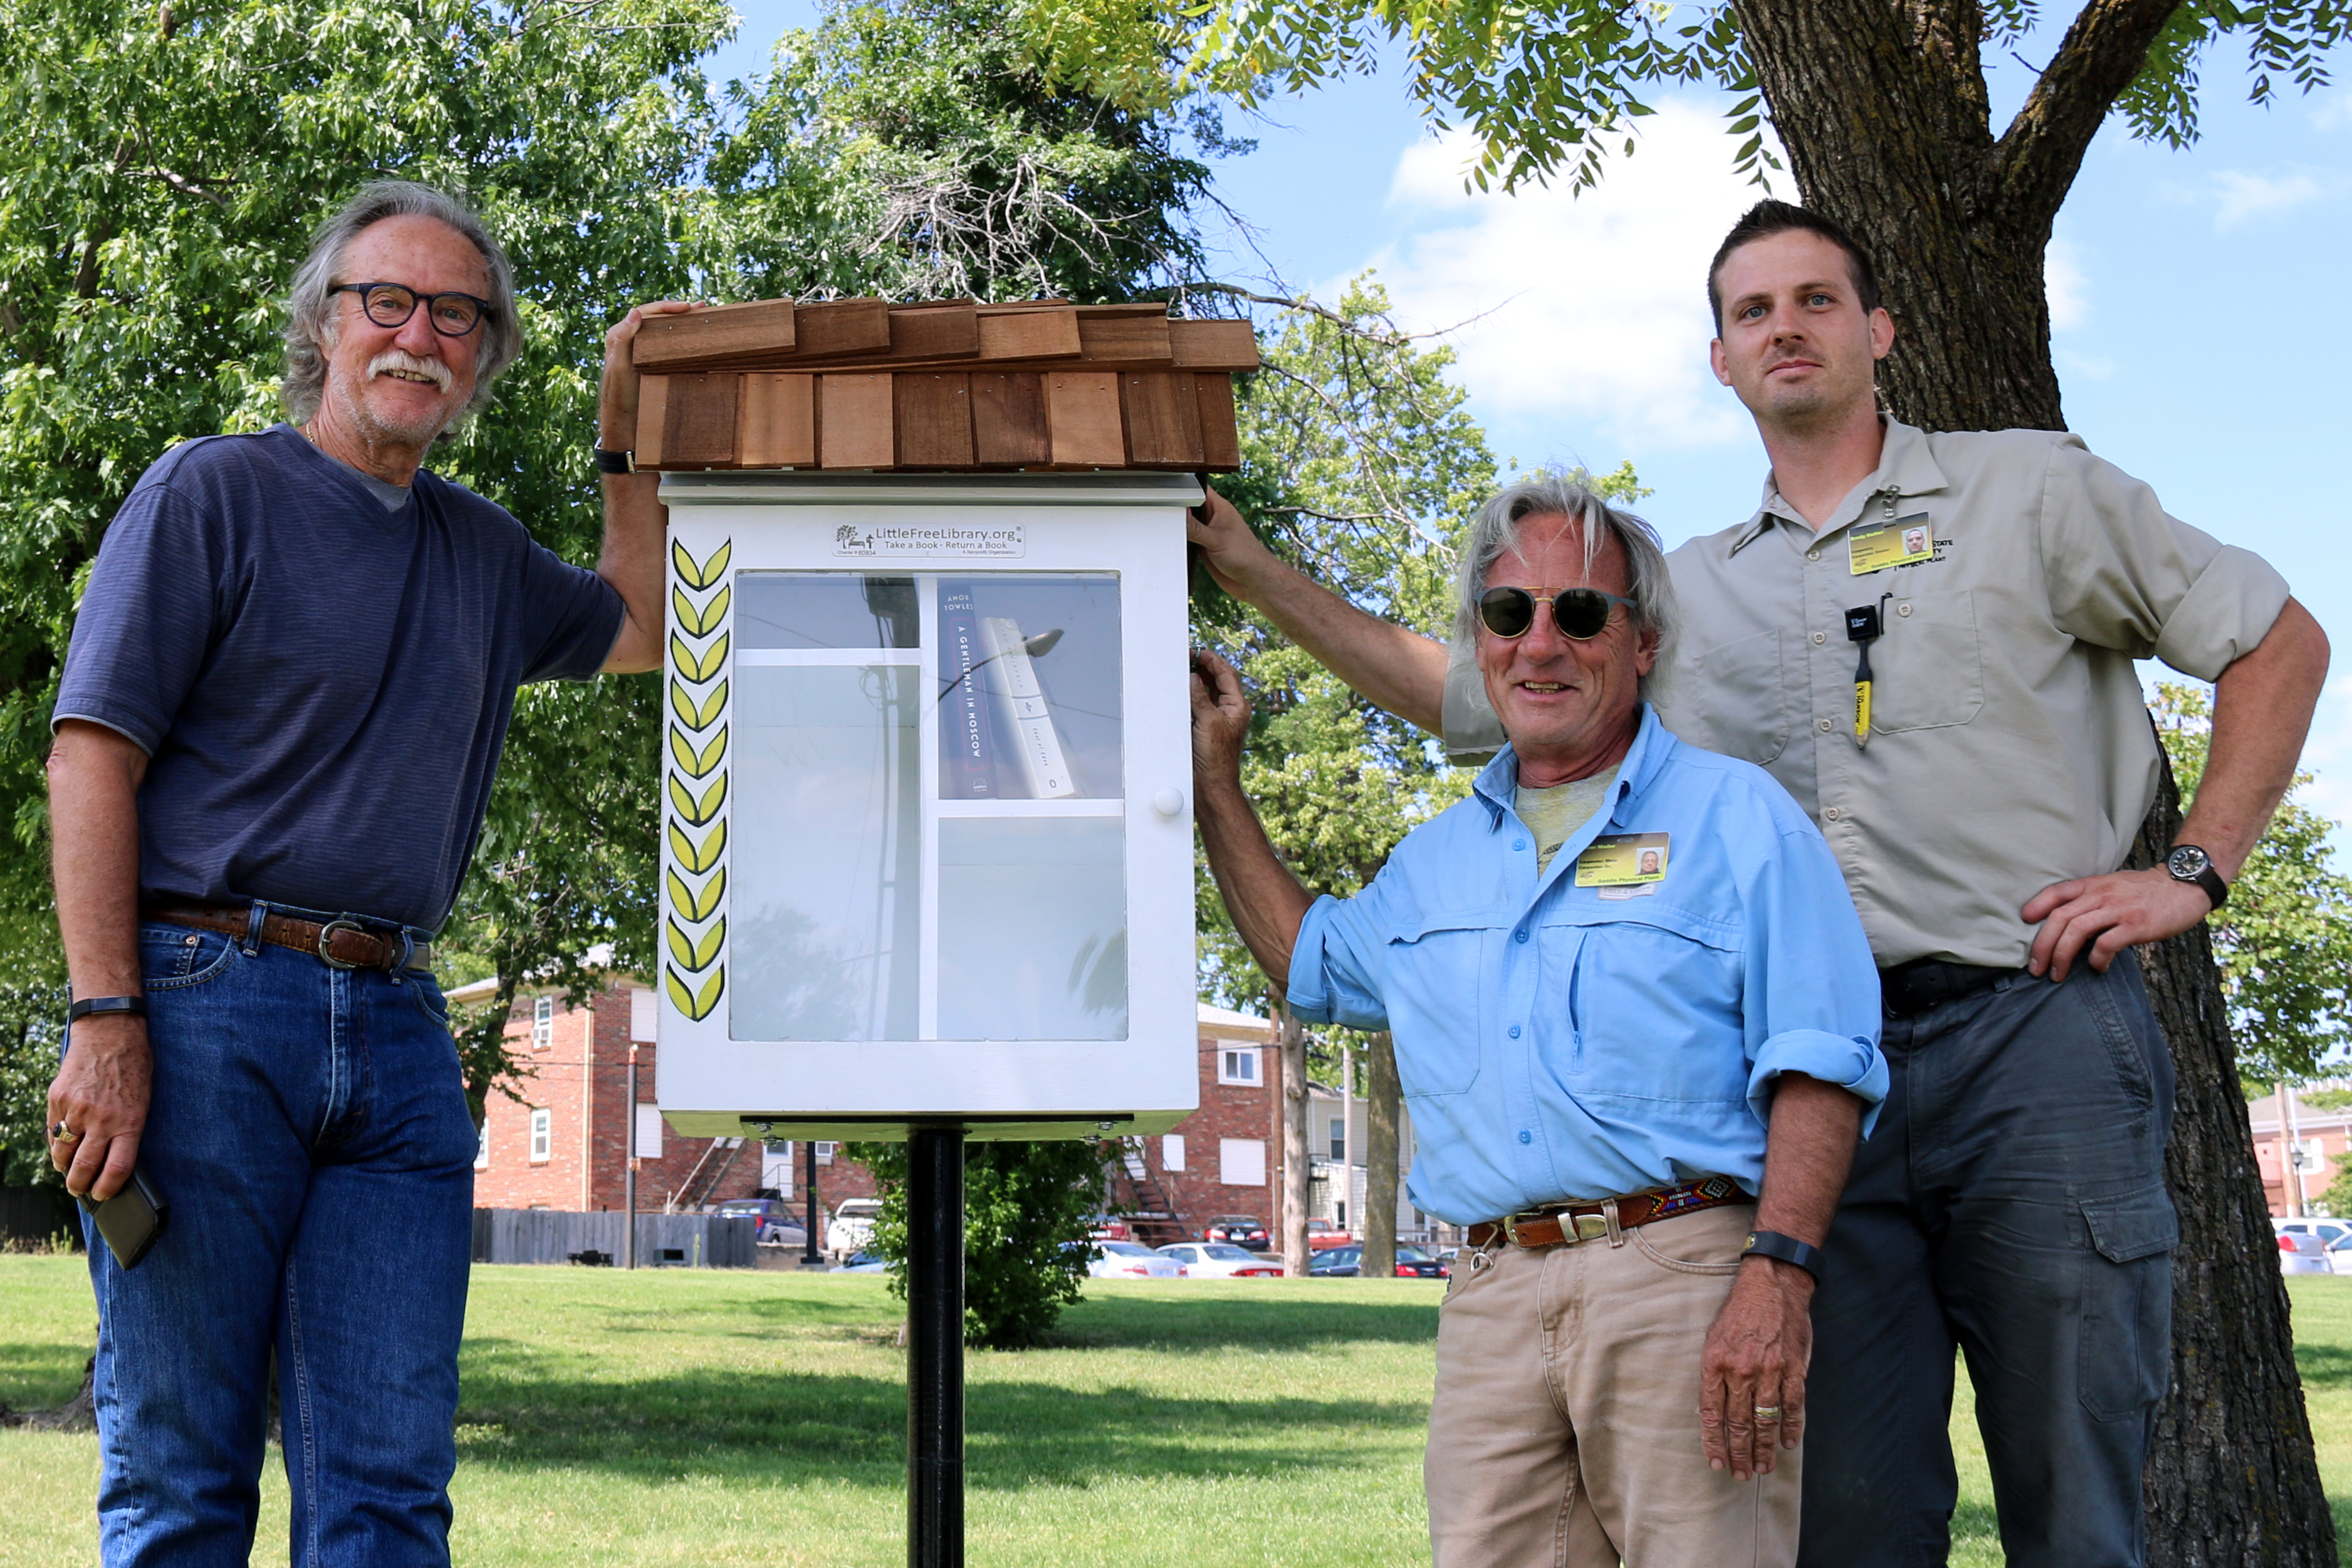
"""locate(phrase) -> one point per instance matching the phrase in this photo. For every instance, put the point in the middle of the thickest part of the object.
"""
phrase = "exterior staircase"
(1144, 1203)
(709, 1172)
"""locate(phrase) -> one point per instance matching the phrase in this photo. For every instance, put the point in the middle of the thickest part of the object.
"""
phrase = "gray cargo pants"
(2010, 1202)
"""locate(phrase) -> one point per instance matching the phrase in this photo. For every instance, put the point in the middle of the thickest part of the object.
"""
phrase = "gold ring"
(61, 1134)
(1767, 1412)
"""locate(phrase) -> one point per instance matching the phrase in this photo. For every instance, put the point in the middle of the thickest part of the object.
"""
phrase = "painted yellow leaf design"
(696, 1006)
(703, 622)
(692, 956)
(697, 811)
(692, 905)
(701, 668)
(692, 714)
(696, 763)
(696, 859)
(707, 574)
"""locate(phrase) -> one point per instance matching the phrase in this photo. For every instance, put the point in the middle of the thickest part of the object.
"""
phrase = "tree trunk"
(1380, 1157)
(1883, 110)
(1294, 1165)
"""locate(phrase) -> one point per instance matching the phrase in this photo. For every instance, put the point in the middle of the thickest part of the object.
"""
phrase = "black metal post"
(809, 1259)
(935, 1348)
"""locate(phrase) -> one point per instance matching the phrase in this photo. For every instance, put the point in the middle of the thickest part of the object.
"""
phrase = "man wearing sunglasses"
(278, 722)
(1637, 1020)
(1929, 638)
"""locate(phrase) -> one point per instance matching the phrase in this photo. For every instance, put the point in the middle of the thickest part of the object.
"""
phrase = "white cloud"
(1594, 306)
(2238, 195)
(2334, 113)
(2067, 286)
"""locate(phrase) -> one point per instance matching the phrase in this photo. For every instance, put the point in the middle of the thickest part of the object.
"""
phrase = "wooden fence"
(664, 1240)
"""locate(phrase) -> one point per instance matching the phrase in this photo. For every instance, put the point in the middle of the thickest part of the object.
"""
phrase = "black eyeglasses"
(391, 305)
(1580, 614)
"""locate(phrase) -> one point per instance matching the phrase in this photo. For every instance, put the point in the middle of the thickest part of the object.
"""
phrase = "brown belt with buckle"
(1566, 1223)
(341, 944)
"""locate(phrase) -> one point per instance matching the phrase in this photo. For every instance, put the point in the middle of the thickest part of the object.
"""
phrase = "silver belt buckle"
(327, 931)
(1587, 1226)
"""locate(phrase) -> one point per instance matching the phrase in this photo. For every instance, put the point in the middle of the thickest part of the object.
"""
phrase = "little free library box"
(926, 837)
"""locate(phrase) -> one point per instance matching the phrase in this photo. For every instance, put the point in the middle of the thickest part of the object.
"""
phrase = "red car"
(1322, 1233)
(1109, 1227)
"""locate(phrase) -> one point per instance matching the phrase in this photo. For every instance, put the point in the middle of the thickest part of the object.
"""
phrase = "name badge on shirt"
(1622, 860)
(1902, 543)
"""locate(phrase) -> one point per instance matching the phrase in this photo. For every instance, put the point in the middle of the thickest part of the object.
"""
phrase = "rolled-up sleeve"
(1812, 994)
(1330, 983)
(2125, 574)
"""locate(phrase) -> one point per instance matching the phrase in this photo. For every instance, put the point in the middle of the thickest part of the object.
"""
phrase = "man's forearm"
(635, 527)
(1398, 669)
(1265, 901)
(94, 777)
(1807, 1153)
(2262, 712)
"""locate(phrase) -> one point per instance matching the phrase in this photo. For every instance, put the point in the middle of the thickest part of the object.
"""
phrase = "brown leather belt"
(1566, 1224)
(341, 944)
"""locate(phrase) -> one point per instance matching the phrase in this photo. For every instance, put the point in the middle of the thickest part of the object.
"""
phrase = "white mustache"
(401, 359)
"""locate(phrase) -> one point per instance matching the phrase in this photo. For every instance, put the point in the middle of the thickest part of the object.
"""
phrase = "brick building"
(2300, 1145)
(560, 1140)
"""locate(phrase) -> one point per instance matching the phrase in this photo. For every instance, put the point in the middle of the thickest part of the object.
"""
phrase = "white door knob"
(1169, 802)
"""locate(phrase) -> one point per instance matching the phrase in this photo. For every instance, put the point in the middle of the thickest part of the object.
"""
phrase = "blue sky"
(2192, 297)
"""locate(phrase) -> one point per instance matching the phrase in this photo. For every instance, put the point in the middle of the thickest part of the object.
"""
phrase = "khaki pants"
(1564, 1429)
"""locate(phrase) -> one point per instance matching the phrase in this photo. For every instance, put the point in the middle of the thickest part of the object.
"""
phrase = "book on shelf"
(1028, 748)
(965, 743)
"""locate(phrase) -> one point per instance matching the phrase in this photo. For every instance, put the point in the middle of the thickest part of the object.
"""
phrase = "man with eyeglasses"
(1636, 1021)
(1929, 638)
(278, 726)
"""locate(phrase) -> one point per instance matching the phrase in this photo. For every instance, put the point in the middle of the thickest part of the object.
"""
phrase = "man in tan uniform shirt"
(1980, 793)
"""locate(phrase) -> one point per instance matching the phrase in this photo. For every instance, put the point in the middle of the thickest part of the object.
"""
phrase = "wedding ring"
(61, 1134)
(1767, 1412)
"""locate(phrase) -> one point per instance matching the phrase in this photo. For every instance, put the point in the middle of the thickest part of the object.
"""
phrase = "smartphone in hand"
(131, 1220)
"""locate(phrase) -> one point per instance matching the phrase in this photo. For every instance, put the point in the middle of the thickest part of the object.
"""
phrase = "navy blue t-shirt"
(323, 686)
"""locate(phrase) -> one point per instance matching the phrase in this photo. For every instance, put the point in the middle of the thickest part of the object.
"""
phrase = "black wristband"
(1785, 1249)
(134, 1006)
(611, 462)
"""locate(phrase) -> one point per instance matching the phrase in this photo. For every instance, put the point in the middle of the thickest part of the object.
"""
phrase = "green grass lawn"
(713, 1418)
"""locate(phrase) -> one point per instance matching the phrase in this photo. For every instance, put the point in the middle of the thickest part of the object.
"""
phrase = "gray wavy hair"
(1494, 533)
(309, 309)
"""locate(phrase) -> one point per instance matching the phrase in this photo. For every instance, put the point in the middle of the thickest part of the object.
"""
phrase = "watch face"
(2186, 863)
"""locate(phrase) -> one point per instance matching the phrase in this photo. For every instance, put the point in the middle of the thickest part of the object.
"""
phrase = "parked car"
(1124, 1259)
(1221, 1260)
(1348, 1262)
(1109, 1227)
(2302, 1252)
(851, 1229)
(1238, 1230)
(1322, 1233)
(2329, 1231)
(865, 1263)
(778, 1226)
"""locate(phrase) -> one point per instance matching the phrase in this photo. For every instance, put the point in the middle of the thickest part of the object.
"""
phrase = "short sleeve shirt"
(2009, 745)
(322, 685)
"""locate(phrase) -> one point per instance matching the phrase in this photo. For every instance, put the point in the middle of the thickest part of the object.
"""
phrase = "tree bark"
(1880, 105)
(1380, 1097)
(1294, 1167)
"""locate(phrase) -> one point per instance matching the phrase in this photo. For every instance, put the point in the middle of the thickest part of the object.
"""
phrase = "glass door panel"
(1029, 687)
(1032, 928)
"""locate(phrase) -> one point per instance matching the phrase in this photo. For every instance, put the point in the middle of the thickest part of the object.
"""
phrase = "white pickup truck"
(851, 1229)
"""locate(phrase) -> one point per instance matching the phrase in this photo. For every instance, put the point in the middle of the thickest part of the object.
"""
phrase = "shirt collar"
(1498, 781)
(1906, 466)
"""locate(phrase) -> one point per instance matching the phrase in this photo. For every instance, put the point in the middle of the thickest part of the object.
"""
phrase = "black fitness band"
(134, 1006)
(1786, 1249)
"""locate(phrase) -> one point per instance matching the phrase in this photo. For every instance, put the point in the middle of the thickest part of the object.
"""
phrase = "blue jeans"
(2010, 1202)
(310, 1131)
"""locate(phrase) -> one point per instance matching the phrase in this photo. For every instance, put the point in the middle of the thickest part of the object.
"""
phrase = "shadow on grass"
(37, 1375)
(1298, 1320)
(760, 1425)
(2324, 1365)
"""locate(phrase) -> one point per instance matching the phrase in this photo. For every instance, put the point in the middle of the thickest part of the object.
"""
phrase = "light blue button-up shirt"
(1556, 1045)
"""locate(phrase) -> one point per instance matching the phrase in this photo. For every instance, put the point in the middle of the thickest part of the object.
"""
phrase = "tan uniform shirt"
(2009, 745)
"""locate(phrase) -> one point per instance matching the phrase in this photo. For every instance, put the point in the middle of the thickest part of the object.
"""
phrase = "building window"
(482, 1148)
(1240, 1161)
(542, 1136)
(824, 1153)
(649, 1132)
(1172, 1152)
(543, 1023)
(1238, 1064)
(1339, 1139)
(1132, 1152)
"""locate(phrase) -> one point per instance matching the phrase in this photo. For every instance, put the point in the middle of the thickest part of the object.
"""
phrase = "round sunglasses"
(391, 305)
(1580, 614)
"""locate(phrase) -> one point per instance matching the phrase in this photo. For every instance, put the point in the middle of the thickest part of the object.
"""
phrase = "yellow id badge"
(1622, 860)
(1901, 542)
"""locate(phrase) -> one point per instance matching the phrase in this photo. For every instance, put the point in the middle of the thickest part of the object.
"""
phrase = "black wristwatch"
(2188, 863)
(611, 462)
(94, 1006)
(1785, 1249)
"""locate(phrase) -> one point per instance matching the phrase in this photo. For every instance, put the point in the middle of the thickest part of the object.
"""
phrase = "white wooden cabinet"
(927, 805)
